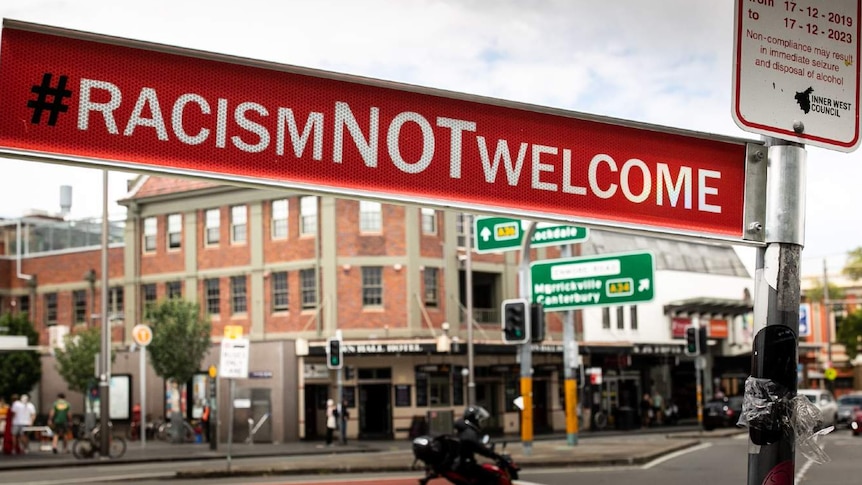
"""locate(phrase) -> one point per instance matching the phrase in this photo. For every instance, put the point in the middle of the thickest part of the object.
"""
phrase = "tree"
(816, 293)
(181, 339)
(853, 266)
(77, 362)
(849, 333)
(20, 370)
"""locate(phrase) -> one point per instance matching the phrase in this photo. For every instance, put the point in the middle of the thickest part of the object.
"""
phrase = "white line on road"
(102, 478)
(675, 454)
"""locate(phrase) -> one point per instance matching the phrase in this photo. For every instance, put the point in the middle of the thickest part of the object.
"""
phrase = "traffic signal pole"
(526, 349)
(570, 367)
(771, 457)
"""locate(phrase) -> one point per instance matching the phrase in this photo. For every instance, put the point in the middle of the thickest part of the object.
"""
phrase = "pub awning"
(709, 306)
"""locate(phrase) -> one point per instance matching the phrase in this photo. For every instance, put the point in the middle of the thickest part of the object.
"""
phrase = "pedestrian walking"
(658, 408)
(646, 410)
(331, 420)
(24, 413)
(8, 437)
(58, 418)
(343, 416)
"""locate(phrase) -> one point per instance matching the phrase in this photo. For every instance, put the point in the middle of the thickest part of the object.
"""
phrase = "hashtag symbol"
(45, 91)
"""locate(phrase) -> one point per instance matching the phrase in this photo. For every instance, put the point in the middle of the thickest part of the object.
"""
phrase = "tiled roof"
(155, 186)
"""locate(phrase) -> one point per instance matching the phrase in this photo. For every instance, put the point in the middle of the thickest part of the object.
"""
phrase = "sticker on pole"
(796, 71)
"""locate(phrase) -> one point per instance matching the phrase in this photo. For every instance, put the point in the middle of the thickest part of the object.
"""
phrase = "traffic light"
(695, 340)
(516, 321)
(334, 354)
(537, 322)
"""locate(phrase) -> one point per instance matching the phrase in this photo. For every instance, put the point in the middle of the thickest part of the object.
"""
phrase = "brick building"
(291, 269)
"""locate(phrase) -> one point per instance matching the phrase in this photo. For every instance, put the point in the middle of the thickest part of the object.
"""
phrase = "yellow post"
(571, 408)
(527, 412)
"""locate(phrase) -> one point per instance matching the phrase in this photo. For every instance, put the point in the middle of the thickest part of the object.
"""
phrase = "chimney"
(65, 200)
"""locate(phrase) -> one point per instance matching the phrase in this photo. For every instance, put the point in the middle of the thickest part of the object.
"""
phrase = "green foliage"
(20, 370)
(77, 363)
(849, 333)
(816, 293)
(853, 267)
(181, 339)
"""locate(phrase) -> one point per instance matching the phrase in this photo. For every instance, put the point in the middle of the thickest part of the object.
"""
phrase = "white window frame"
(238, 224)
(175, 228)
(308, 215)
(212, 227)
(279, 225)
(370, 217)
(151, 232)
(429, 220)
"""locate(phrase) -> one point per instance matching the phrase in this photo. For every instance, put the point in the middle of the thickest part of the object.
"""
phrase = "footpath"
(302, 457)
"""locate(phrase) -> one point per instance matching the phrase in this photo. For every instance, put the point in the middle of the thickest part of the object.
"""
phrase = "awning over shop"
(709, 306)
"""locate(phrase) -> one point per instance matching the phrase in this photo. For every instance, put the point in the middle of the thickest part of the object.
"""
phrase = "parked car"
(847, 406)
(722, 413)
(825, 402)
(856, 422)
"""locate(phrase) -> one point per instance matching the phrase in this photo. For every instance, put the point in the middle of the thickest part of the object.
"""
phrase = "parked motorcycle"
(439, 454)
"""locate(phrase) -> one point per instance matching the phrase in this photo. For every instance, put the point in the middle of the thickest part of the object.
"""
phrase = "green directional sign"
(495, 234)
(571, 283)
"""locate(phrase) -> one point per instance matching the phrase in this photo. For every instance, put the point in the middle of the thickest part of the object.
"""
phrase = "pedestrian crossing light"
(693, 341)
(334, 354)
(516, 321)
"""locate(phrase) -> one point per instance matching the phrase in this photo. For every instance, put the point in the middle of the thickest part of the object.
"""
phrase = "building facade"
(293, 269)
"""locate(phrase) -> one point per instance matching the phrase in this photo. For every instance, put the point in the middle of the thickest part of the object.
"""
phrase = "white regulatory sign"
(234, 359)
(796, 70)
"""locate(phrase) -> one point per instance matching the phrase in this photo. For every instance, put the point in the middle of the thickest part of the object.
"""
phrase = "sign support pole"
(570, 365)
(232, 392)
(526, 348)
(143, 371)
(776, 309)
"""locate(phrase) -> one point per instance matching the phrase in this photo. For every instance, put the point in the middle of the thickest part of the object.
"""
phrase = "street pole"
(143, 372)
(468, 282)
(698, 373)
(774, 357)
(570, 366)
(828, 307)
(105, 374)
(526, 349)
(339, 388)
(232, 392)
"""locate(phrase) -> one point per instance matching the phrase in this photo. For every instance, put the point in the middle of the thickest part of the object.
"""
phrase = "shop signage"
(657, 349)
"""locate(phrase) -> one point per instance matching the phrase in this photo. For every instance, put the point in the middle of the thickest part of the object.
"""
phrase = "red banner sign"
(718, 328)
(678, 326)
(149, 107)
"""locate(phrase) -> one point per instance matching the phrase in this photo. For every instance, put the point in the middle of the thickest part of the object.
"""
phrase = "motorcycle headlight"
(854, 425)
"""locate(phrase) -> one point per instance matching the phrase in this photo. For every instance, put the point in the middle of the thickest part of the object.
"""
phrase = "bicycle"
(89, 444)
(164, 431)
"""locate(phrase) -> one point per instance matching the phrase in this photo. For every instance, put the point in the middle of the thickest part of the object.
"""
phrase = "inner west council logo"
(808, 101)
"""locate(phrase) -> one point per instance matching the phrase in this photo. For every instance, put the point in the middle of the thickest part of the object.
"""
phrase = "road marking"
(676, 454)
(103, 478)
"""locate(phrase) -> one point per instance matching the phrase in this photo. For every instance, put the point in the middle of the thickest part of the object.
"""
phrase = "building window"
(24, 304)
(212, 226)
(151, 230)
(148, 293)
(606, 318)
(213, 299)
(174, 289)
(279, 291)
(438, 389)
(175, 231)
(462, 226)
(50, 300)
(308, 216)
(308, 288)
(79, 303)
(370, 216)
(372, 286)
(621, 312)
(238, 299)
(115, 302)
(430, 276)
(238, 225)
(279, 219)
(633, 315)
(429, 221)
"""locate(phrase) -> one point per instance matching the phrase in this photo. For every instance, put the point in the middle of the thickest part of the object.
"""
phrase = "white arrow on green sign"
(566, 284)
(493, 234)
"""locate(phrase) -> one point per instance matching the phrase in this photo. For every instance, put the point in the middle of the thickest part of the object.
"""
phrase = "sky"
(665, 62)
